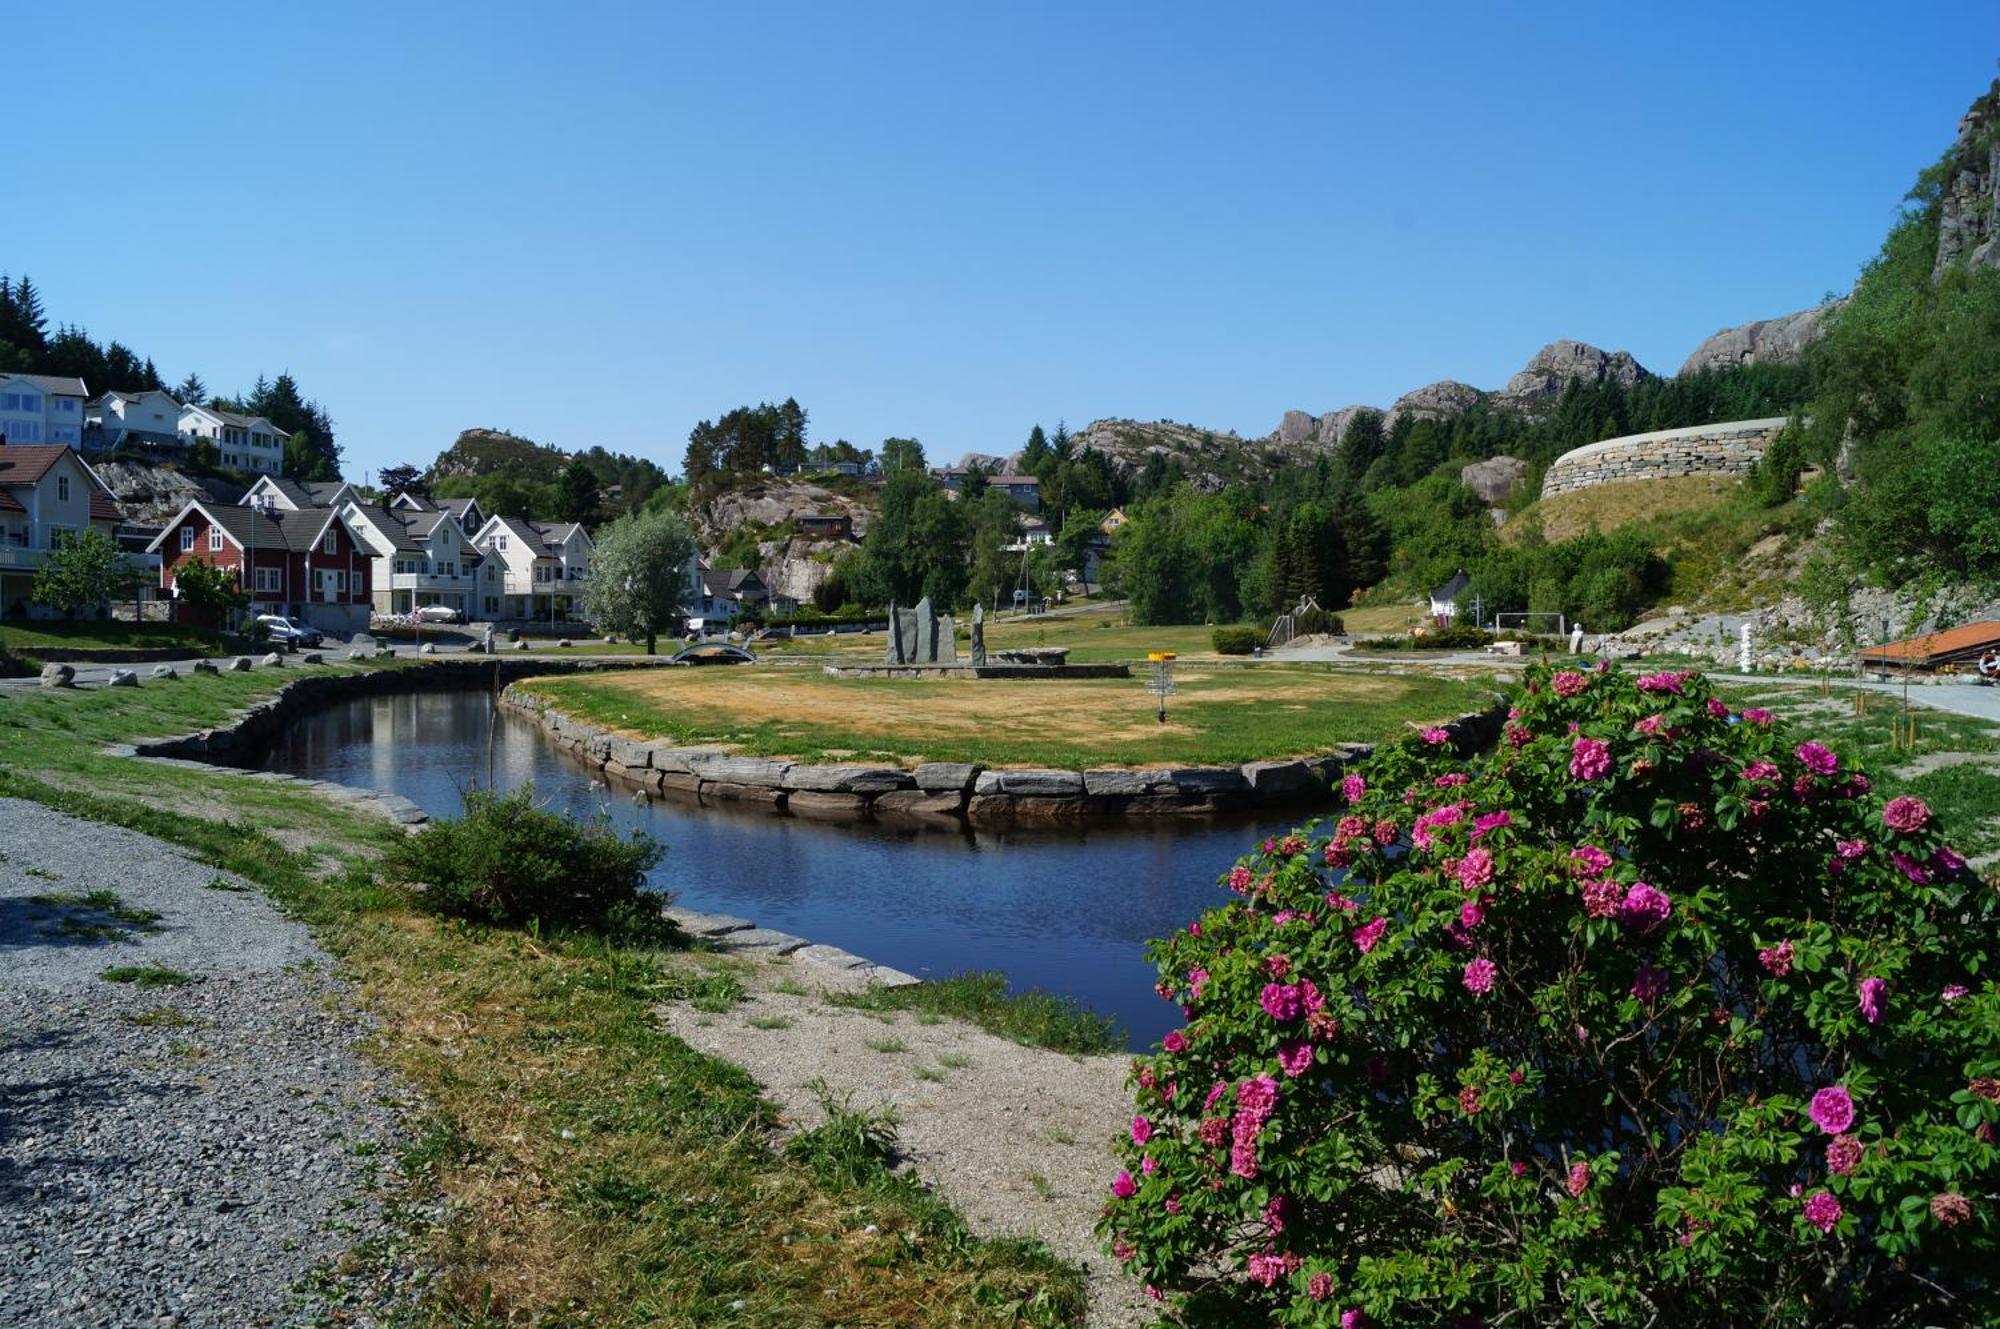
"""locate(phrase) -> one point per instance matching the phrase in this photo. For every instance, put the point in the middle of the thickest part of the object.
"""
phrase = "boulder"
(681, 761)
(240, 665)
(1297, 427)
(520, 645)
(727, 791)
(759, 772)
(123, 678)
(58, 676)
(1433, 401)
(207, 667)
(1207, 781)
(385, 653)
(274, 661)
(1279, 779)
(821, 805)
(1032, 783)
(312, 657)
(633, 756)
(564, 642)
(848, 779)
(1112, 783)
(428, 648)
(1494, 479)
(918, 804)
(168, 671)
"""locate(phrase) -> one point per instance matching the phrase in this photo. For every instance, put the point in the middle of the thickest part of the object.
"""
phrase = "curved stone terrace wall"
(1730, 448)
(958, 793)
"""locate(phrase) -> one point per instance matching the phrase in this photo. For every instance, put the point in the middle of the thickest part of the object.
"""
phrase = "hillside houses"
(48, 496)
(41, 408)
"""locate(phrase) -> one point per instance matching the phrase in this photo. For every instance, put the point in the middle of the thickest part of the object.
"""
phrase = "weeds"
(1033, 1018)
(146, 976)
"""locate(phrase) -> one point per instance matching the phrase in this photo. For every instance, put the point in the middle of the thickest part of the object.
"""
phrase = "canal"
(1067, 910)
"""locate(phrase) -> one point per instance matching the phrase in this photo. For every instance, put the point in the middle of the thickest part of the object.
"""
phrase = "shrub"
(1318, 622)
(1651, 1015)
(508, 860)
(1234, 641)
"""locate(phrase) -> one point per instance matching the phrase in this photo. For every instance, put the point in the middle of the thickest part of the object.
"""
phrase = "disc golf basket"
(1161, 682)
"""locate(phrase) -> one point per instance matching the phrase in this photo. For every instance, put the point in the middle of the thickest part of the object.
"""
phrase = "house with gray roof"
(534, 570)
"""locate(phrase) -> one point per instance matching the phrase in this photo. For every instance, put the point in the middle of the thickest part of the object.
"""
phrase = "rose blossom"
(1568, 683)
(1123, 1186)
(1368, 934)
(1175, 1041)
(1954, 992)
(1490, 821)
(1823, 1210)
(1600, 898)
(1832, 1109)
(1239, 879)
(1950, 1208)
(1644, 907)
(1579, 1178)
(1281, 1001)
(1717, 709)
(1354, 1319)
(1472, 913)
(1434, 736)
(1142, 1130)
(1590, 860)
(1850, 849)
(1590, 759)
(1266, 1269)
(1352, 787)
(1320, 1286)
(1843, 1154)
(1906, 814)
(1475, 869)
(1757, 715)
(1294, 1058)
(1649, 983)
(1478, 977)
(1817, 758)
(1777, 960)
(1872, 993)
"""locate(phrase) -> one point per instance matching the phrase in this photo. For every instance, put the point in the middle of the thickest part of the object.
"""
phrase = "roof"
(56, 385)
(419, 521)
(1013, 481)
(323, 492)
(526, 533)
(729, 582)
(391, 529)
(458, 507)
(1935, 648)
(260, 528)
(1449, 592)
(8, 503)
(231, 417)
(557, 533)
(23, 464)
(290, 490)
(414, 501)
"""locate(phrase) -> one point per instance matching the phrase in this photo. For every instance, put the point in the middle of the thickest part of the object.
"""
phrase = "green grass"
(1034, 1018)
(146, 976)
(97, 915)
(595, 1168)
(1221, 715)
(888, 1046)
(27, 638)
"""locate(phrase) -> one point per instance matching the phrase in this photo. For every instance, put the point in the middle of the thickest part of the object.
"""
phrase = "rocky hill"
(1210, 459)
(768, 509)
(477, 452)
(1968, 227)
(149, 495)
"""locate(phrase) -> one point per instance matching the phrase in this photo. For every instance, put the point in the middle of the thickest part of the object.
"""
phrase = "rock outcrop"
(1494, 479)
(1550, 370)
(149, 495)
(1766, 341)
(1434, 401)
(1211, 459)
(1968, 227)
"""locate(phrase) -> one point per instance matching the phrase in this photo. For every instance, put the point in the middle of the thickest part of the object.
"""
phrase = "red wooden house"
(305, 564)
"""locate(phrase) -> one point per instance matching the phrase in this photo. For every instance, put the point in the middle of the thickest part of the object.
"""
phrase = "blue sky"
(597, 224)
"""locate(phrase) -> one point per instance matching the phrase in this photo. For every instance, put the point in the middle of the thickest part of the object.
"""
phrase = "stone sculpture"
(920, 636)
(978, 634)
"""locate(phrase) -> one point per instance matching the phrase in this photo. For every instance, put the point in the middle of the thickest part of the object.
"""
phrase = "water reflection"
(1067, 909)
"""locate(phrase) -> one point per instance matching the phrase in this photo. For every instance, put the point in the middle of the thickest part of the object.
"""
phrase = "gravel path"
(1018, 1139)
(212, 1153)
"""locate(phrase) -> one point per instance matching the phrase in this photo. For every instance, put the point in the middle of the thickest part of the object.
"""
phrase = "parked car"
(282, 631)
(440, 614)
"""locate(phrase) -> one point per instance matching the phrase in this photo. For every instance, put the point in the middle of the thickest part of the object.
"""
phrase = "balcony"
(20, 558)
(431, 581)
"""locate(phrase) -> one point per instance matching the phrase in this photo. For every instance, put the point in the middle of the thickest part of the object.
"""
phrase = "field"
(1221, 714)
(24, 639)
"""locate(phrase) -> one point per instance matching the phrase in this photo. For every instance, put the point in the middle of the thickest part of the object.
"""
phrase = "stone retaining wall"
(957, 793)
(1732, 448)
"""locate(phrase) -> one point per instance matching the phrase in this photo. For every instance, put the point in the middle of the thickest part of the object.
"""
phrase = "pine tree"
(191, 391)
(30, 322)
(576, 492)
(1037, 454)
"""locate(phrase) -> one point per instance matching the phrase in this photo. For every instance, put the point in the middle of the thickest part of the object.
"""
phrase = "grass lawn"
(1222, 714)
(25, 638)
(1104, 636)
(593, 1169)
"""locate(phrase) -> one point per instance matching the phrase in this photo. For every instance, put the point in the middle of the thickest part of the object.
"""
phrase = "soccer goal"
(1527, 622)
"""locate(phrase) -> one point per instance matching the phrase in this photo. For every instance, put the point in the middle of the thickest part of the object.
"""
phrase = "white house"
(470, 516)
(421, 558)
(534, 570)
(48, 496)
(297, 495)
(246, 442)
(123, 419)
(1444, 599)
(41, 408)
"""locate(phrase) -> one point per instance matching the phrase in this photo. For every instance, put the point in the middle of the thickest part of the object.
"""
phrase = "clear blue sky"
(597, 224)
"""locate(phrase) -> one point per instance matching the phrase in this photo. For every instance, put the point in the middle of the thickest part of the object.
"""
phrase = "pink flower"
(1910, 868)
(1173, 1204)
(1266, 1269)
(1475, 869)
(1950, 1208)
(1757, 715)
(1277, 966)
(1519, 1169)
(1850, 849)
(1239, 879)
(1354, 1319)
(1777, 960)
(1215, 1095)
(1142, 1130)
(1817, 758)
(1123, 1186)
(1243, 1159)
(1579, 1178)
(1281, 1001)
(1601, 898)
(1490, 821)
(1843, 1154)
(1369, 934)
(1644, 907)
(1294, 1058)
(1649, 983)
(1761, 772)
(1257, 1097)
(1352, 787)
(1478, 976)
(1468, 1101)
(1590, 860)
(1822, 1210)
(1435, 736)
(1954, 992)
(1451, 780)
(1717, 709)
(1906, 814)
(1947, 860)
(1175, 1041)
(1148, 1166)
(1589, 759)
(1567, 683)
(1873, 992)
(1274, 1214)
(1197, 980)
(1320, 1286)
(1832, 1109)
(1472, 913)
(1650, 725)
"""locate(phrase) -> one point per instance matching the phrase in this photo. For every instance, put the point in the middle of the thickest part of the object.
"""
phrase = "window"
(269, 581)
(340, 582)
(66, 405)
(187, 538)
(61, 537)
(215, 539)
(62, 489)
(332, 542)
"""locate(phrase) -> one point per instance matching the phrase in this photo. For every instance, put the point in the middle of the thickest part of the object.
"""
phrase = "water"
(1067, 910)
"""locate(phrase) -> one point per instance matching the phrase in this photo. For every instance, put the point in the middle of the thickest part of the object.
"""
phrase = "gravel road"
(216, 1152)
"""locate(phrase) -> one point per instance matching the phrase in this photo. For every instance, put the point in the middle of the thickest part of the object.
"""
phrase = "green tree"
(191, 391)
(902, 454)
(396, 480)
(576, 492)
(211, 594)
(639, 577)
(82, 575)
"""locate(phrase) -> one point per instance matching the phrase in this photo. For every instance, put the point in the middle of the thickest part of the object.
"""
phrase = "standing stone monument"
(978, 634)
(1743, 651)
(920, 636)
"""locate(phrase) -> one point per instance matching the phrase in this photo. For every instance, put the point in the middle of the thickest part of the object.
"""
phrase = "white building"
(534, 570)
(298, 495)
(41, 408)
(48, 496)
(125, 419)
(246, 442)
(421, 558)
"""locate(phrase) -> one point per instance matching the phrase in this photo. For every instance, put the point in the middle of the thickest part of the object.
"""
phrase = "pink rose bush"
(1627, 1025)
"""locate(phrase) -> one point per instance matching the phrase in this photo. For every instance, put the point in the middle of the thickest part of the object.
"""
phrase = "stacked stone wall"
(1730, 449)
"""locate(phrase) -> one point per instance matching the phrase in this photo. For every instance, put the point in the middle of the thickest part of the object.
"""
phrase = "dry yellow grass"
(1609, 506)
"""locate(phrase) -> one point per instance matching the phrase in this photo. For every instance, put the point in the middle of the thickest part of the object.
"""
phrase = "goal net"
(1549, 624)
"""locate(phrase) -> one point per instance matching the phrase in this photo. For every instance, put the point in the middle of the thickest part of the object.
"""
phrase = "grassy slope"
(1221, 715)
(597, 1170)
(25, 638)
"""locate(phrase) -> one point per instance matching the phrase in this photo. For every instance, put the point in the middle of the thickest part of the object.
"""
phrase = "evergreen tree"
(576, 492)
(25, 322)
(396, 480)
(1037, 453)
(191, 391)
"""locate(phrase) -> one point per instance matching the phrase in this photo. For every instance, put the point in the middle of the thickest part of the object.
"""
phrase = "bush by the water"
(1656, 1014)
(1234, 641)
(1456, 637)
(508, 860)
